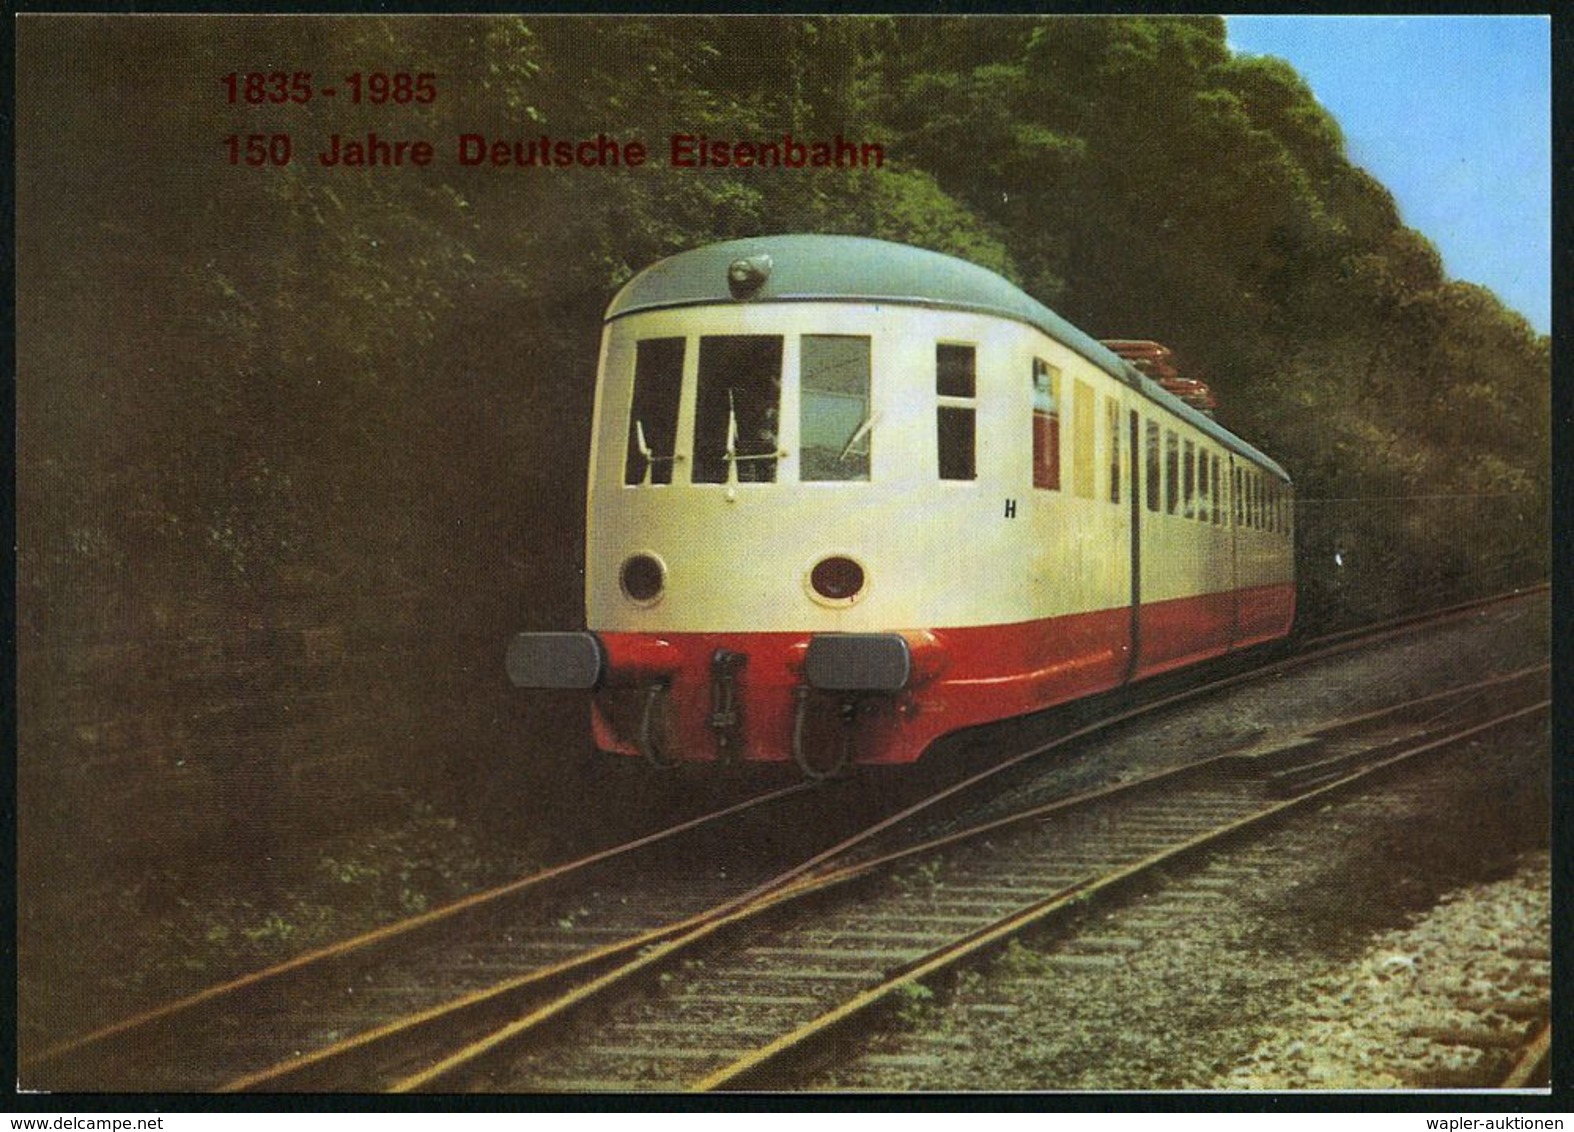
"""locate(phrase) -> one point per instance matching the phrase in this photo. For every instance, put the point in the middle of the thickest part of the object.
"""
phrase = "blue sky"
(1454, 115)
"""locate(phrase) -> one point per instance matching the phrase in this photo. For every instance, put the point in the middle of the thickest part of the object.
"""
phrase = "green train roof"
(808, 268)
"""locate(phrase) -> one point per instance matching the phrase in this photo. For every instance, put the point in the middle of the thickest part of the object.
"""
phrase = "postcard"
(807, 554)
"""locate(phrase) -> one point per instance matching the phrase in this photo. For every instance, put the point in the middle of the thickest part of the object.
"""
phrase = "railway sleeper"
(909, 939)
(1518, 1009)
(1482, 1071)
(681, 1030)
(1536, 952)
(1477, 1037)
(1106, 943)
(1078, 961)
(659, 1054)
(701, 998)
(839, 954)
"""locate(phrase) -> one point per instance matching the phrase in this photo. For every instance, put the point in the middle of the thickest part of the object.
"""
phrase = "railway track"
(382, 1010)
(1490, 1023)
(1373, 942)
(540, 928)
(1517, 1057)
(735, 1001)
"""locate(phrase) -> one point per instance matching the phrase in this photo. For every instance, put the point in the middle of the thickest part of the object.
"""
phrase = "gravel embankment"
(1410, 1012)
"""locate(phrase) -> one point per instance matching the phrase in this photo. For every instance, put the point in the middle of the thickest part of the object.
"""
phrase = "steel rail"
(789, 883)
(1532, 1061)
(1310, 651)
(736, 912)
(1431, 616)
(388, 932)
(720, 915)
(750, 902)
(941, 958)
(810, 885)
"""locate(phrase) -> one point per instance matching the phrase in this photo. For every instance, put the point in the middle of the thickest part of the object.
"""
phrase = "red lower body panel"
(1266, 613)
(1173, 634)
(968, 676)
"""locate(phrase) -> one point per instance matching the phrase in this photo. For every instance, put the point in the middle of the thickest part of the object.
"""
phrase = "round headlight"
(837, 578)
(643, 577)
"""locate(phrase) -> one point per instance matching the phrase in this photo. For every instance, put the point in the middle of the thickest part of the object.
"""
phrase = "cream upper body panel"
(935, 552)
(737, 554)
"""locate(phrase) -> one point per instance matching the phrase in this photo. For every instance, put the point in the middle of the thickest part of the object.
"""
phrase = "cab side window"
(834, 423)
(653, 415)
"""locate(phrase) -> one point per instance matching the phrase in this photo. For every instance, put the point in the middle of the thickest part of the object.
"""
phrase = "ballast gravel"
(1318, 957)
(1411, 1011)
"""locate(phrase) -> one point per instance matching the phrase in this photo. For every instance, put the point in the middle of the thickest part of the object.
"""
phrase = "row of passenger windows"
(738, 405)
(1187, 479)
(1187, 483)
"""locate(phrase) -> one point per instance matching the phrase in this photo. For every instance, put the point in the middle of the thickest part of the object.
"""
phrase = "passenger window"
(1235, 495)
(1082, 453)
(737, 408)
(1112, 421)
(1046, 425)
(653, 414)
(1189, 479)
(834, 422)
(956, 385)
(1171, 471)
(1218, 512)
(1202, 485)
(1153, 466)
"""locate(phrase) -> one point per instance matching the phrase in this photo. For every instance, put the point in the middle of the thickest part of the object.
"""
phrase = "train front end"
(750, 595)
(847, 497)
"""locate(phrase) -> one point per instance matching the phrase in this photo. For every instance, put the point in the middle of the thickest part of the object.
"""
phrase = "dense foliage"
(298, 448)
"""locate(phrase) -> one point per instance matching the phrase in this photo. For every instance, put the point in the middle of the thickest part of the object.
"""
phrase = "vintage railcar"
(848, 496)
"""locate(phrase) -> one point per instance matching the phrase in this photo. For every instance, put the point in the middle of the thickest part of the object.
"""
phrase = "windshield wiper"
(732, 439)
(858, 434)
(642, 446)
(644, 450)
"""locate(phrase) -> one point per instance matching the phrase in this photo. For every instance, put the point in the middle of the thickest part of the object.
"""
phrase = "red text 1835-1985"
(378, 88)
